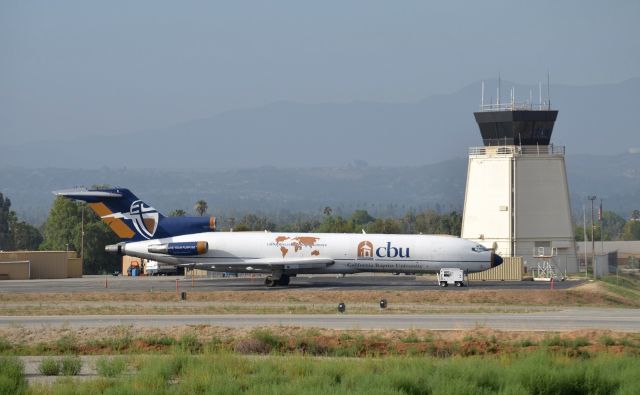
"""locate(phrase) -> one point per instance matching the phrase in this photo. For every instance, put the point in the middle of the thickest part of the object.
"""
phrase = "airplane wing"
(266, 264)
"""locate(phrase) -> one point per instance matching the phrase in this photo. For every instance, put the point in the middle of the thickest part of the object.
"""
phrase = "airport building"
(25, 265)
(517, 196)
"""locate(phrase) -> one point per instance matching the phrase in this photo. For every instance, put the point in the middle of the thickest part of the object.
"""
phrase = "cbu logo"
(366, 250)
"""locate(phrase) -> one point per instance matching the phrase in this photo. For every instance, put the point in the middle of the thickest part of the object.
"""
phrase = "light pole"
(593, 241)
(82, 238)
(601, 215)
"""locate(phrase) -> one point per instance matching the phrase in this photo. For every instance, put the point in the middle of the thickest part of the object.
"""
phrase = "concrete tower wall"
(517, 200)
(487, 202)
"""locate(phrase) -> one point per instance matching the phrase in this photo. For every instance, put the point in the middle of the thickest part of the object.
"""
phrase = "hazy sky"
(70, 68)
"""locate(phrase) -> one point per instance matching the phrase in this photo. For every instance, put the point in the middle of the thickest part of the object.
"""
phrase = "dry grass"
(295, 301)
(479, 341)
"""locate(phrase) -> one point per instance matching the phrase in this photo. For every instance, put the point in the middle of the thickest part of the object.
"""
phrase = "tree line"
(612, 227)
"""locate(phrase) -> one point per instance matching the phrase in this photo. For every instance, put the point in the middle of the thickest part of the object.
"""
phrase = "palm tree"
(201, 207)
(327, 211)
(178, 213)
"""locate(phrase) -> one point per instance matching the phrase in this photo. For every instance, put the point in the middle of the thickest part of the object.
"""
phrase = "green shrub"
(607, 341)
(525, 343)
(110, 367)
(555, 341)
(49, 367)
(580, 342)
(190, 343)
(410, 338)
(5, 345)
(67, 345)
(160, 341)
(71, 366)
(267, 337)
(12, 376)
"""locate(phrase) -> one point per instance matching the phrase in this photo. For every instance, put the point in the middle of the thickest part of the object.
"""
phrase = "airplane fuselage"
(297, 253)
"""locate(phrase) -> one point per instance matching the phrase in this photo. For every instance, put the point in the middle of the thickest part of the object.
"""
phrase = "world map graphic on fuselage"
(298, 243)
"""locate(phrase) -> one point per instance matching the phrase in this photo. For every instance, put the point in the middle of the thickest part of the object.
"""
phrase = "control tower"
(517, 197)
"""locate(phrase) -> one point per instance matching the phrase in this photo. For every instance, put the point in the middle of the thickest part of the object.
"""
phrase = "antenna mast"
(548, 92)
(498, 100)
(540, 94)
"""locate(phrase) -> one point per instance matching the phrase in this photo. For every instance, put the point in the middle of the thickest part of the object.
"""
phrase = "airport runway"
(319, 283)
(575, 318)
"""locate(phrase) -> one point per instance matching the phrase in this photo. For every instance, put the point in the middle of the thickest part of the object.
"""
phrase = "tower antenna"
(482, 102)
(548, 92)
(540, 94)
(498, 89)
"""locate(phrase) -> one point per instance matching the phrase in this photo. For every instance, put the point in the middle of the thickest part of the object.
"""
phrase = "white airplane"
(192, 242)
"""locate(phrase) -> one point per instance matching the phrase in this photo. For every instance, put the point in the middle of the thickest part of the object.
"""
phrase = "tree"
(5, 230)
(635, 215)
(16, 234)
(327, 211)
(62, 227)
(201, 207)
(361, 217)
(613, 225)
(97, 235)
(388, 226)
(254, 222)
(335, 225)
(631, 230)
(62, 230)
(25, 236)
(178, 213)
(613, 228)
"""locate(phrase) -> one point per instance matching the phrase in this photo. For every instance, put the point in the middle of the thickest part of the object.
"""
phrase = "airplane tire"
(284, 280)
(270, 282)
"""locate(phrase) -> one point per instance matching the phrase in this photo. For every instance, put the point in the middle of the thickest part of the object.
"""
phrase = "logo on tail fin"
(144, 218)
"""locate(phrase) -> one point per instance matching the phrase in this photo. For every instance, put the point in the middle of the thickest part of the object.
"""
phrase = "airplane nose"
(496, 259)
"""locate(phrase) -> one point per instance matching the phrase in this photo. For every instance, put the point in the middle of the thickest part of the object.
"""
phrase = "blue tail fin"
(132, 219)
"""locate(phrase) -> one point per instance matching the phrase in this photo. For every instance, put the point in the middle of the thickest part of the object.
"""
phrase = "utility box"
(453, 276)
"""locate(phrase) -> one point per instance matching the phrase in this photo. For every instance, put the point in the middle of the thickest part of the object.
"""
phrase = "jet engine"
(180, 248)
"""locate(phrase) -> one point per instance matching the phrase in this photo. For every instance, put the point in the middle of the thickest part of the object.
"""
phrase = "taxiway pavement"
(566, 319)
(318, 283)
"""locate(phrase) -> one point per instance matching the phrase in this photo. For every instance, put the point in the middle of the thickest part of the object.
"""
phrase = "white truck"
(453, 276)
(154, 268)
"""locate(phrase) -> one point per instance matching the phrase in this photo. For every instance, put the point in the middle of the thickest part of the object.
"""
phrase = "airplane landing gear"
(272, 282)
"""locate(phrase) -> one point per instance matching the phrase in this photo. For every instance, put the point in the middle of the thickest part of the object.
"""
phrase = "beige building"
(24, 265)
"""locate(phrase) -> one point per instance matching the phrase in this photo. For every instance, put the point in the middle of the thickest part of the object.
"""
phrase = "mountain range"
(597, 120)
(282, 193)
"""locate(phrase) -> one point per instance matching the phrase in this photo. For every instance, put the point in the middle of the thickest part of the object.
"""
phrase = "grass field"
(224, 373)
(203, 359)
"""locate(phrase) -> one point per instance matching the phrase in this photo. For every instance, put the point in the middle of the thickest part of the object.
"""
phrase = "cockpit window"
(480, 248)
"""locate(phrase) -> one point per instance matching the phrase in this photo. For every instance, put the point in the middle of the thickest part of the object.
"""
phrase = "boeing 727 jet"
(193, 242)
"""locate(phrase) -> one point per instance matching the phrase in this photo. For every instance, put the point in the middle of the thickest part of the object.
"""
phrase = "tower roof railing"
(513, 106)
(519, 150)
